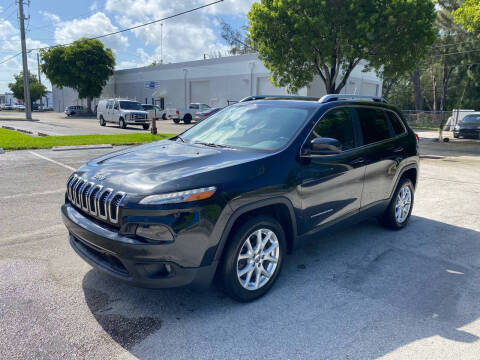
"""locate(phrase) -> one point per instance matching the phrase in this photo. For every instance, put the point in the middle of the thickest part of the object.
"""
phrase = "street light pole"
(26, 86)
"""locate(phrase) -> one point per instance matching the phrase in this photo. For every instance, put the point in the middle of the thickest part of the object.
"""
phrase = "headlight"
(179, 197)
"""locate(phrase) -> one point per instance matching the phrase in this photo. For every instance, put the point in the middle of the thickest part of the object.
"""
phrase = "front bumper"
(129, 260)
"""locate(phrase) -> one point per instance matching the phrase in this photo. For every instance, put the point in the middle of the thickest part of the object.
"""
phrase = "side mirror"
(324, 146)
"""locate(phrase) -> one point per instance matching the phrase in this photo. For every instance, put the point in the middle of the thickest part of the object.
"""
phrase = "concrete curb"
(82, 147)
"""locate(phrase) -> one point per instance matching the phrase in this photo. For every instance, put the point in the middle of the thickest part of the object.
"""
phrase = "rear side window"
(397, 125)
(336, 124)
(374, 125)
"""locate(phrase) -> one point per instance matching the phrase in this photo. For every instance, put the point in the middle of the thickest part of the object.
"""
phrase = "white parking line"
(53, 161)
(15, 196)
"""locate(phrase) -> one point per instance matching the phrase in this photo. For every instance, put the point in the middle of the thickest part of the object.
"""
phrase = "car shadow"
(364, 290)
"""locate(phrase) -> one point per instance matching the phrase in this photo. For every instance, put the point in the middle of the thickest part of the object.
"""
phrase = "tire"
(122, 123)
(394, 217)
(164, 116)
(145, 126)
(176, 121)
(243, 287)
(102, 121)
(187, 119)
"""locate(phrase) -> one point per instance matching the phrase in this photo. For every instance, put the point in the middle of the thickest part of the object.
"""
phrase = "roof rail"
(278, 97)
(336, 97)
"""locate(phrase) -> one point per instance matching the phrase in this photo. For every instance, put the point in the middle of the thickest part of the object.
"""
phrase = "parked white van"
(122, 112)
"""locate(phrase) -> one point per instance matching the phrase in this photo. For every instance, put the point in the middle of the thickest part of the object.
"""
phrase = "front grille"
(139, 116)
(94, 199)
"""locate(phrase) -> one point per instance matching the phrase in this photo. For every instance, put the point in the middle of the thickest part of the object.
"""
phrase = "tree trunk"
(89, 105)
(434, 105)
(417, 90)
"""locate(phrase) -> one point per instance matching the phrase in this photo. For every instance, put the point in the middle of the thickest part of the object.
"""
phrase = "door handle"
(359, 160)
(398, 149)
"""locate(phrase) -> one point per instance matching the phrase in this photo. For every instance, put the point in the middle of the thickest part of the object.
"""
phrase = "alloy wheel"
(258, 259)
(403, 204)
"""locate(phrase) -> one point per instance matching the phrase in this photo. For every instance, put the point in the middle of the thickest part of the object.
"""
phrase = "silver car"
(202, 115)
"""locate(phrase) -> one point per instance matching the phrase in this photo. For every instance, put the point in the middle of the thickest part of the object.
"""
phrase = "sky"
(52, 22)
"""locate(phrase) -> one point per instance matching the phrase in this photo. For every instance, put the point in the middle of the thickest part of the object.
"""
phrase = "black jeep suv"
(234, 194)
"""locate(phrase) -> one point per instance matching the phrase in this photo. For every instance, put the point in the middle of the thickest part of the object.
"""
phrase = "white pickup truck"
(186, 114)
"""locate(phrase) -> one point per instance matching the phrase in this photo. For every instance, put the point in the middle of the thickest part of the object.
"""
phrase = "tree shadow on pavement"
(359, 293)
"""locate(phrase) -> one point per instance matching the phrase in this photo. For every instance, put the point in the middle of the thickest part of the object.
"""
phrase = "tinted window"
(396, 123)
(471, 119)
(130, 105)
(251, 125)
(374, 125)
(336, 124)
(194, 106)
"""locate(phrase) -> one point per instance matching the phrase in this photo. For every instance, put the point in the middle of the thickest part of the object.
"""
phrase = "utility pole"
(26, 86)
(161, 43)
(39, 79)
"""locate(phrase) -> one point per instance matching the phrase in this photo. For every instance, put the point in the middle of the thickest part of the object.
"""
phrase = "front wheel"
(102, 121)
(164, 116)
(398, 212)
(145, 126)
(187, 119)
(253, 258)
(122, 123)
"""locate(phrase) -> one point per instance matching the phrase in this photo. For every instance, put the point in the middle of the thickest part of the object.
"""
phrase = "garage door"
(264, 87)
(200, 92)
(370, 89)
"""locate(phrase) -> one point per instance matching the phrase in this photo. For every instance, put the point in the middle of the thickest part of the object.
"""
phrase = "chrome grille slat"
(94, 199)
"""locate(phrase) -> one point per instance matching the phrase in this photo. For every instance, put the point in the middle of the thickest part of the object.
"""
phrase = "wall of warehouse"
(215, 82)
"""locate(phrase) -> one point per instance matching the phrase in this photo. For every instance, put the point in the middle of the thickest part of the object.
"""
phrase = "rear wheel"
(164, 116)
(122, 123)
(145, 126)
(253, 259)
(187, 119)
(398, 212)
(102, 121)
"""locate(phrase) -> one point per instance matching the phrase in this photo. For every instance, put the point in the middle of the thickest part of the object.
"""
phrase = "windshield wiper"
(181, 139)
(213, 145)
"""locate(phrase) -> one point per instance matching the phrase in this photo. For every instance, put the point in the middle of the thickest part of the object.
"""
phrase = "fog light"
(154, 232)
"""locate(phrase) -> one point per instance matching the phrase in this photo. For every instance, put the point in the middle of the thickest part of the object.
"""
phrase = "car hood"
(167, 166)
(135, 111)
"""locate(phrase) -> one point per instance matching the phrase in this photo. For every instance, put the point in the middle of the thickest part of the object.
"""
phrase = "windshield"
(254, 126)
(130, 105)
(471, 119)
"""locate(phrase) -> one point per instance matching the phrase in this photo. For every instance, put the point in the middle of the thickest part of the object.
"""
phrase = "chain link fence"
(430, 119)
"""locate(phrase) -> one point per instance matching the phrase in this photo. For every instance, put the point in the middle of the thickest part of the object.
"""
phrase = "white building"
(213, 81)
(9, 99)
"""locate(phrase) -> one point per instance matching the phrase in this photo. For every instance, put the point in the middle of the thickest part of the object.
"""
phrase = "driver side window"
(116, 105)
(336, 124)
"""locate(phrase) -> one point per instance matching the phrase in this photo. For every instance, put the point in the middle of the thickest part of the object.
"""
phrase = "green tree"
(84, 66)
(468, 15)
(298, 39)
(239, 41)
(37, 90)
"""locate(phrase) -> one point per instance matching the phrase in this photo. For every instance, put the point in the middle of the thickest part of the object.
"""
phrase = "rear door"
(331, 185)
(383, 152)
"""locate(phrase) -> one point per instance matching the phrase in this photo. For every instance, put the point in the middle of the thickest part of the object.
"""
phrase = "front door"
(331, 185)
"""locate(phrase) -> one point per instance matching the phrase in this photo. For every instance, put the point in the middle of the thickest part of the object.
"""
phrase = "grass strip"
(12, 140)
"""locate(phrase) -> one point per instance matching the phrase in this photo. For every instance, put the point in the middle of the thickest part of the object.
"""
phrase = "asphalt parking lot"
(53, 123)
(361, 293)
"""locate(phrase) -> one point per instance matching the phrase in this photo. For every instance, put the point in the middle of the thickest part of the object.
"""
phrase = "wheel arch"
(279, 208)
(410, 172)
